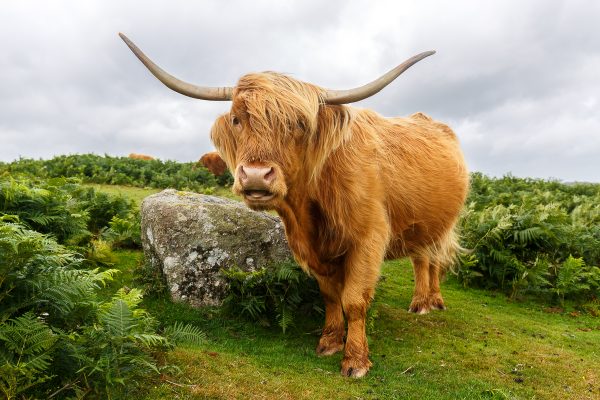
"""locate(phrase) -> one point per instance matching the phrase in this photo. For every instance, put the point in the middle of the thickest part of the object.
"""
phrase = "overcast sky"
(519, 81)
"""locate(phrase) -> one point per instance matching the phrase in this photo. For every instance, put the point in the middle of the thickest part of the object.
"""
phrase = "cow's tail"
(444, 252)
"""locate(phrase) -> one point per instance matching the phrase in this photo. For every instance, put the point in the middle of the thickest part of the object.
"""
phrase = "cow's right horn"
(368, 90)
(187, 89)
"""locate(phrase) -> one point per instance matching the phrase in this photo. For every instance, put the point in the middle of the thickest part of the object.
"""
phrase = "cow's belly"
(412, 239)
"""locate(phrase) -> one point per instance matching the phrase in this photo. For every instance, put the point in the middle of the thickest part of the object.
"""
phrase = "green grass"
(134, 193)
(137, 194)
(226, 192)
(483, 347)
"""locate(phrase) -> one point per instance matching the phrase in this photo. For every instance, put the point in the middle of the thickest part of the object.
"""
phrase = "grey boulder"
(190, 237)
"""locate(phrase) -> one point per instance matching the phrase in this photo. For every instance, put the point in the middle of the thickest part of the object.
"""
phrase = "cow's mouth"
(258, 195)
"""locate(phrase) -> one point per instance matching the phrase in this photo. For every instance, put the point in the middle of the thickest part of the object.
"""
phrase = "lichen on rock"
(190, 237)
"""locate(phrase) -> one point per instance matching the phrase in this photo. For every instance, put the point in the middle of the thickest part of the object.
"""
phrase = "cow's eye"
(301, 125)
(235, 120)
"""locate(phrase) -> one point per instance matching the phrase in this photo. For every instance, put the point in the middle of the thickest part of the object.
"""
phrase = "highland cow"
(136, 156)
(214, 163)
(353, 188)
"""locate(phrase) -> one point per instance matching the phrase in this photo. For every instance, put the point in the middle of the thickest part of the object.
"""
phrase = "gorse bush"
(278, 294)
(92, 168)
(532, 236)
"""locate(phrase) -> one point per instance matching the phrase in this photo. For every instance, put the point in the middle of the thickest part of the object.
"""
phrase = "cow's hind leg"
(420, 302)
(332, 337)
(436, 302)
(427, 295)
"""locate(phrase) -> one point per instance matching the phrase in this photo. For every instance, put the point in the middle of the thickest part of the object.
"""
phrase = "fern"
(121, 170)
(528, 235)
(571, 278)
(94, 349)
(285, 317)
(118, 318)
(184, 334)
(277, 294)
(522, 233)
(119, 348)
(150, 340)
(25, 354)
(37, 272)
(124, 232)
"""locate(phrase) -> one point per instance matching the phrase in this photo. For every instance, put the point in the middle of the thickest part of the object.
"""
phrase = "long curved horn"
(360, 93)
(187, 89)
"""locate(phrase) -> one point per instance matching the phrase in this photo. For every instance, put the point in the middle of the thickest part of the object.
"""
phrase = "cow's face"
(263, 139)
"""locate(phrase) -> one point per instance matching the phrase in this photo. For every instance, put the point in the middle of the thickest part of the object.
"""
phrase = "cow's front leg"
(361, 275)
(332, 337)
(330, 284)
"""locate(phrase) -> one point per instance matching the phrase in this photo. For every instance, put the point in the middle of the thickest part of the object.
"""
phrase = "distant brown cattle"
(353, 188)
(214, 163)
(136, 156)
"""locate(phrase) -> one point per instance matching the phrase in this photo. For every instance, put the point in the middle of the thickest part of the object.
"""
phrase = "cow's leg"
(361, 275)
(420, 302)
(436, 302)
(332, 337)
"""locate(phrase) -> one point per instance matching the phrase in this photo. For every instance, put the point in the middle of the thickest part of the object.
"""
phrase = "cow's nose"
(256, 177)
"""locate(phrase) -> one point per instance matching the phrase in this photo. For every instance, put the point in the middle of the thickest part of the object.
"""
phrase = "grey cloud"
(517, 81)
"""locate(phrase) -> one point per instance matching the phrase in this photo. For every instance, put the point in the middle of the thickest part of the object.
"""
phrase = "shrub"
(92, 168)
(102, 207)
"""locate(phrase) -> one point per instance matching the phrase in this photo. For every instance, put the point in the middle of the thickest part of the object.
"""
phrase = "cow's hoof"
(330, 342)
(437, 303)
(355, 368)
(419, 306)
(327, 349)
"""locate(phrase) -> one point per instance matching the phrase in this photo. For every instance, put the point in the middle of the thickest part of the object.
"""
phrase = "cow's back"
(426, 182)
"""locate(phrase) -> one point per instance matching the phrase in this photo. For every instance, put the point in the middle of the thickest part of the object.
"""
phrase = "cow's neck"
(305, 227)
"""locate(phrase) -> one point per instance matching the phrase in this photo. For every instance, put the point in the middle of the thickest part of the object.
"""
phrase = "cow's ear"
(332, 131)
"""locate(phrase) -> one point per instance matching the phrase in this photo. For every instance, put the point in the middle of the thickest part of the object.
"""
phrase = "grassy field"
(134, 193)
(137, 194)
(483, 347)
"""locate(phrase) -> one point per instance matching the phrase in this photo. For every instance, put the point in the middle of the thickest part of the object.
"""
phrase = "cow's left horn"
(368, 90)
(187, 89)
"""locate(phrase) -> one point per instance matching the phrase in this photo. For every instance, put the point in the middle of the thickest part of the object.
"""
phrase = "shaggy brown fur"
(352, 188)
(214, 163)
(140, 156)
